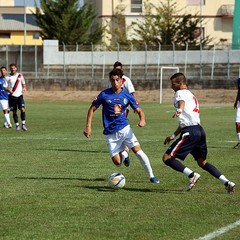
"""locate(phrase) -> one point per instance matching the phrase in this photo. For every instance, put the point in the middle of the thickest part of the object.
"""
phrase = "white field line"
(220, 231)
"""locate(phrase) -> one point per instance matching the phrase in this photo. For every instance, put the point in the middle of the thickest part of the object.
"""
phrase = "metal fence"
(90, 64)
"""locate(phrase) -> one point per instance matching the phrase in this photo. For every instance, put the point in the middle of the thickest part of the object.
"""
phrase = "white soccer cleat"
(230, 187)
(193, 181)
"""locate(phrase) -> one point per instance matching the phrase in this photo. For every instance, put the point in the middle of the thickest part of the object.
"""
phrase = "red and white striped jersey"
(15, 83)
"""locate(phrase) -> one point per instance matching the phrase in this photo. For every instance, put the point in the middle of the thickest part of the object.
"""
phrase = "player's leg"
(237, 125)
(237, 146)
(216, 173)
(21, 107)
(12, 101)
(125, 156)
(115, 147)
(131, 142)
(7, 123)
(180, 148)
(144, 160)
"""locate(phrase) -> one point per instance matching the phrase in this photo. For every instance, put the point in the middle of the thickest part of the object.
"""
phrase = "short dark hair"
(13, 65)
(116, 72)
(117, 64)
(178, 77)
(3, 67)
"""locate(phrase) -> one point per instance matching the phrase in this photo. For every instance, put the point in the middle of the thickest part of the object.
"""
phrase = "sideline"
(220, 231)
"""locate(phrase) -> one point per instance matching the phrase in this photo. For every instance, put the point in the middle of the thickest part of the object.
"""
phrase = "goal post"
(175, 69)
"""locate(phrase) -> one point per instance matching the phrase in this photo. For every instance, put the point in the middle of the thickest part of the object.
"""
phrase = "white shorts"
(4, 104)
(237, 118)
(117, 142)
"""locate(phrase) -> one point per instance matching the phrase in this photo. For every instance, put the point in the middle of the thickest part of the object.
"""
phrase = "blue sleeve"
(98, 100)
(133, 102)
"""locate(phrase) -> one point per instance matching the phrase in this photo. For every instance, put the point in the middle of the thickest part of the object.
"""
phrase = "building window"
(5, 35)
(36, 36)
(136, 6)
(196, 2)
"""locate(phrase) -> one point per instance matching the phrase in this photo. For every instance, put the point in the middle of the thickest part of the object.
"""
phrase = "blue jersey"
(3, 93)
(114, 106)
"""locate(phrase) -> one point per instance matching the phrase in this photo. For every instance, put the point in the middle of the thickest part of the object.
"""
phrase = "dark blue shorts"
(192, 141)
(16, 102)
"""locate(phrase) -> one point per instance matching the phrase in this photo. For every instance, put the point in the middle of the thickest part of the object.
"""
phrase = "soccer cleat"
(5, 126)
(24, 127)
(230, 187)
(126, 162)
(193, 181)
(17, 128)
(237, 146)
(154, 180)
(9, 125)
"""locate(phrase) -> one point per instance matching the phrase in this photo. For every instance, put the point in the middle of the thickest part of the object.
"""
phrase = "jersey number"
(196, 109)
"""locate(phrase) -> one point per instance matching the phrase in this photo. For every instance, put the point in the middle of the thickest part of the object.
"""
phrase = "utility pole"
(25, 30)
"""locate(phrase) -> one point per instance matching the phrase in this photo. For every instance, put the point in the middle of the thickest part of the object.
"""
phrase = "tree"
(65, 21)
(117, 29)
(167, 26)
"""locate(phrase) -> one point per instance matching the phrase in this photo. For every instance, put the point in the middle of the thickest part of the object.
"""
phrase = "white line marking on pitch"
(220, 231)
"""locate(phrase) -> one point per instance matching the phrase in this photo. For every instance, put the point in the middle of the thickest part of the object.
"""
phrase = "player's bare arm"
(88, 130)
(142, 121)
(171, 137)
(236, 100)
(24, 88)
(181, 105)
(8, 90)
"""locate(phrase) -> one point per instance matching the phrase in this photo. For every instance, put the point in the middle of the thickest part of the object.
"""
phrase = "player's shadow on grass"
(146, 190)
(63, 178)
(75, 150)
(109, 189)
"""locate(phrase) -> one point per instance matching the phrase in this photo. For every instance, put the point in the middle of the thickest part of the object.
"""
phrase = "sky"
(32, 2)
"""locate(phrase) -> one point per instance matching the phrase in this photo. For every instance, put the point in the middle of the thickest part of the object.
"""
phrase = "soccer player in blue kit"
(117, 130)
(192, 139)
(4, 98)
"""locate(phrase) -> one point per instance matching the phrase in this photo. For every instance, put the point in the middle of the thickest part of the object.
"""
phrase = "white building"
(217, 14)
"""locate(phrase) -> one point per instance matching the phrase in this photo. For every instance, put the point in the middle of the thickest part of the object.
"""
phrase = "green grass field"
(53, 182)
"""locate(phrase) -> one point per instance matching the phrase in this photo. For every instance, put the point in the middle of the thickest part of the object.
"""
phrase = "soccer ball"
(116, 181)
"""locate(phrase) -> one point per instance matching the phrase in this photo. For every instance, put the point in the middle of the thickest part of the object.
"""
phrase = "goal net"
(169, 71)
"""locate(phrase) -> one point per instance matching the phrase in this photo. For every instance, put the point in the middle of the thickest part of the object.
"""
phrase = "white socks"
(223, 179)
(238, 137)
(145, 163)
(124, 155)
(187, 171)
(6, 119)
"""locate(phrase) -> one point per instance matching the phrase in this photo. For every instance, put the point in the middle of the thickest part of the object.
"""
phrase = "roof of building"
(15, 22)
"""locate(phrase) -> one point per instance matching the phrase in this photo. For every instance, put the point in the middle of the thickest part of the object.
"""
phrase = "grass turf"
(53, 182)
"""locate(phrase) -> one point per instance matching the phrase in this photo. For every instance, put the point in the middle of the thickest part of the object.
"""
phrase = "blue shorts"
(192, 141)
(16, 102)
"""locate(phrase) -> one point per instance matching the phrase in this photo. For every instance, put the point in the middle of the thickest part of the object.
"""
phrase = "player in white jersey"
(237, 116)
(192, 139)
(16, 86)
